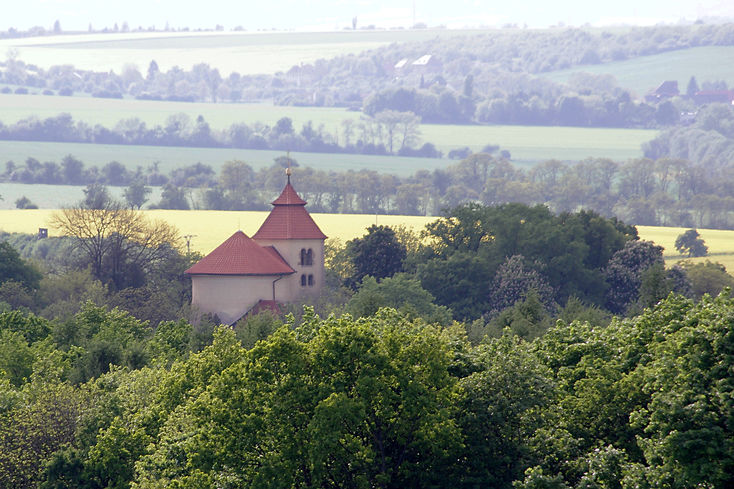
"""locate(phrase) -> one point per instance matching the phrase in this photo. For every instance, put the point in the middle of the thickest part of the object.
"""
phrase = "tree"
(333, 403)
(115, 240)
(707, 278)
(14, 268)
(173, 197)
(96, 196)
(399, 292)
(688, 439)
(136, 194)
(514, 281)
(690, 243)
(692, 87)
(25, 203)
(378, 254)
(625, 270)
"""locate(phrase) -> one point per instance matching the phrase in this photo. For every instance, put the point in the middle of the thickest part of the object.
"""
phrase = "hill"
(644, 73)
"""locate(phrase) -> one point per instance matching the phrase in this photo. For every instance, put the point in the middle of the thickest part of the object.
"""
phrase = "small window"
(310, 280)
(309, 257)
(303, 256)
(303, 280)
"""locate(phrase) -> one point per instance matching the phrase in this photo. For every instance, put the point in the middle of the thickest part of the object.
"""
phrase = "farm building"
(665, 90)
(282, 262)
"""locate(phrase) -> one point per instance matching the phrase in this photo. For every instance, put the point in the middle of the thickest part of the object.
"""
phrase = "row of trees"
(666, 191)
(388, 132)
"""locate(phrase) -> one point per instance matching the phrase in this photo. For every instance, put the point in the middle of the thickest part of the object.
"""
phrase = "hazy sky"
(335, 14)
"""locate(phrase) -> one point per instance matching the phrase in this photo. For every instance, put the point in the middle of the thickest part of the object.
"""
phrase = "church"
(282, 262)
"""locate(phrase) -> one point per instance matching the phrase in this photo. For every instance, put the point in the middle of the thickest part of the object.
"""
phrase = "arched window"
(309, 257)
(303, 280)
(303, 256)
(310, 280)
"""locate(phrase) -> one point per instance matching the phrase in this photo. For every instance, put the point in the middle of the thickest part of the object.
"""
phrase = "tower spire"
(288, 168)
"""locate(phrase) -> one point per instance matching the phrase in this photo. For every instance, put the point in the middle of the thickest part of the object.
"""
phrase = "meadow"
(644, 73)
(210, 228)
(243, 52)
(526, 143)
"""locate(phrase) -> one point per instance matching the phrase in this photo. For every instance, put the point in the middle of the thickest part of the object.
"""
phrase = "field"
(244, 52)
(171, 158)
(210, 228)
(527, 143)
(642, 74)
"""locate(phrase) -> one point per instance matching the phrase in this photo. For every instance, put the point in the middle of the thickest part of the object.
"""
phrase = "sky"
(337, 14)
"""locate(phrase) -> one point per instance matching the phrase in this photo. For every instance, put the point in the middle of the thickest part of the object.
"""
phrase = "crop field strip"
(243, 52)
(525, 143)
(644, 73)
(210, 228)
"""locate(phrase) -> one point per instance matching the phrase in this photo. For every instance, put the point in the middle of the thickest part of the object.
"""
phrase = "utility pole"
(188, 237)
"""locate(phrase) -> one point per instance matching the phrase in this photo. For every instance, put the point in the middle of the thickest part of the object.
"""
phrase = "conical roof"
(289, 219)
(241, 255)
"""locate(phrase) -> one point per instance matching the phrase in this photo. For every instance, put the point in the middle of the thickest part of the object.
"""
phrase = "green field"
(55, 196)
(526, 143)
(171, 158)
(642, 74)
(243, 52)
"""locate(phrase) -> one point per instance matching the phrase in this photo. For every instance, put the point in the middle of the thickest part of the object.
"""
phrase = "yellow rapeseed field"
(209, 228)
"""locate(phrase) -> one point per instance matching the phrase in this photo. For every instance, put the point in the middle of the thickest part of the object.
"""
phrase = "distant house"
(400, 64)
(714, 96)
(282, 262)
(667, 89)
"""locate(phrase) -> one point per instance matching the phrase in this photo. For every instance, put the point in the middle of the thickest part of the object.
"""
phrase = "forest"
(507, 346)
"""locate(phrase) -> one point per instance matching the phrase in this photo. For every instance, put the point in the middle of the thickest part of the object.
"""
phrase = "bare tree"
(114, 238)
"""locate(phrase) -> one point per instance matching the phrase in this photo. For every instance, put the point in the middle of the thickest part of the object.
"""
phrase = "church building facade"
(282, 262)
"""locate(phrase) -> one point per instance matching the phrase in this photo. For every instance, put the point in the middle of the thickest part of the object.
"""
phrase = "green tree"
(690, 243)
(625, 270)
(400, 292)
(707, 278)
(335, 403)
(25, 203)
(13, 267)
(378, 254)
(688, 439)
(136, 194)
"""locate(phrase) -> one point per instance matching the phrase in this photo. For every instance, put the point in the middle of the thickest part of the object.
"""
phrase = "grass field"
(171, 158)
(55, 196)
(642, 74)
(210, 228)
(526, 143)
(244, 52)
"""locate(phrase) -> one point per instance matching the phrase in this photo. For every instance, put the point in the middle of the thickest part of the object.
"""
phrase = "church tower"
(290, 229)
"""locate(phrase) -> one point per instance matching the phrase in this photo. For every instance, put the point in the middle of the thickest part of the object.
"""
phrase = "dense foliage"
(381, 401)
(127, 393)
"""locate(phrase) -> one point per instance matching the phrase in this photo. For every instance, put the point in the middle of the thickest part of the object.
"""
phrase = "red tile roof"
(241, 255)
(289, 219)
(289, 197)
